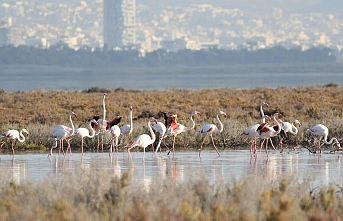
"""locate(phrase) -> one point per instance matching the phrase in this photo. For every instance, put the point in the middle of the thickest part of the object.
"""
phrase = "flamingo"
(210, 129)
(322, 132)
(144, 140)
(267, 132)
(115, 133)
(104, 125)
(127, 128)
(84, 132)
(160, 128)
(13, 135)
(177, 128)
(61, 132)
(251, 132)
(288, 127)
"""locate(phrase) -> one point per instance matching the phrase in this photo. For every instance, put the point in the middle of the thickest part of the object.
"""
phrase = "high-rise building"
(119, 23)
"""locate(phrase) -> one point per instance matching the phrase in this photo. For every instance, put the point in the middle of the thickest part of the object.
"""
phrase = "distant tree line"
(62, 55)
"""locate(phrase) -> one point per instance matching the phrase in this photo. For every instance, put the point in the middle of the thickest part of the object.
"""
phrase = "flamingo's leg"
(214, 144)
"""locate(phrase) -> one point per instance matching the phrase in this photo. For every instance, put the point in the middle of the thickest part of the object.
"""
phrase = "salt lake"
(232, 164)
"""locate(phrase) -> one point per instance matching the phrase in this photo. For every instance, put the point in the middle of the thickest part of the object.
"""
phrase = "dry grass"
(39, 111)
(94, 195)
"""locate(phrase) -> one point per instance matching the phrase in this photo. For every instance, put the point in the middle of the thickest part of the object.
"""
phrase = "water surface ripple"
(231, 165)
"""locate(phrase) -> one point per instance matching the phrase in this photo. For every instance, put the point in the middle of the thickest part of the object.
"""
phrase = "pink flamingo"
(13, 135)
(126, 129)
(267, 132)
(61, 132)
(144, 140)
(210, 129)
(251, 132)
(177, 128)
(84, 132)
(323, 132)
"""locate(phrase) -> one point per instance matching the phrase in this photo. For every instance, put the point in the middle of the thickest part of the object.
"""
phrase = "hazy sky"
(297, 6)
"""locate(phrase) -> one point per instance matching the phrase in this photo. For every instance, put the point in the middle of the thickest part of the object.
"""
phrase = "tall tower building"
(119, 23)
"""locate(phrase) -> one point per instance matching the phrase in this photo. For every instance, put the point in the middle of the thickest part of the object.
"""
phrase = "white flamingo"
(210, 129)
(288, 127)
(267, 132)
(161, 129)
(13, 135)
(251, 132)
(115, 133)
(84, 132)
(144, 140)
(61, 132)
(126, 129)
(177, 128)
(323, 132)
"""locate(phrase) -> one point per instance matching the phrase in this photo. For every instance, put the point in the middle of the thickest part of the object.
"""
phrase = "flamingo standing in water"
(115, 133)
(160, 128)
(104, 125)
(288, 127)
(177, 128)
(251, 132)
(267, 132)
(126, 129)
(210, 129)
(61, 132)
(322, 132)
(84, 132)
(144, 140)
(13, 135)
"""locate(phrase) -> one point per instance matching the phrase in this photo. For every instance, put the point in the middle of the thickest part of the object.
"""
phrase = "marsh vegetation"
(39, 111)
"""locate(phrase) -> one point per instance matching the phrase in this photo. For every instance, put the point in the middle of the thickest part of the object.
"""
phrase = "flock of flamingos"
(99, 126)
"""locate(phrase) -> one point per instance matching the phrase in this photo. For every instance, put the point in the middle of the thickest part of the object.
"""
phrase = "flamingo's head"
(338, 145)
(297, 123)
(196, 113)
(222, 113)
(264, 104)
(277, 114)
(25, 131)
(130, 108)
(152, 119)
(73, 113)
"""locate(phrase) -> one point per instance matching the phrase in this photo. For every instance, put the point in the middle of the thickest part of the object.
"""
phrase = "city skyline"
(119, 23)
(183, 24)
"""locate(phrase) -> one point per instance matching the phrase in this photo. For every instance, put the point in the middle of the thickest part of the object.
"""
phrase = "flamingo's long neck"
(262, 114)
(279, 125)
(104, 108)
(131, 123)
(329, 142)
(153, 137)
(220, 125)
(72, 125)
(294, 130)
(92, 134)
(192, 122)
(21, 137)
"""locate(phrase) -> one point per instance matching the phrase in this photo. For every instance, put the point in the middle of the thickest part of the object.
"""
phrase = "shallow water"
(232, 164)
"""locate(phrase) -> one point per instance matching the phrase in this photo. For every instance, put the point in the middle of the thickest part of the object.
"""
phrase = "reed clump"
(39, 111)
(96, 195)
